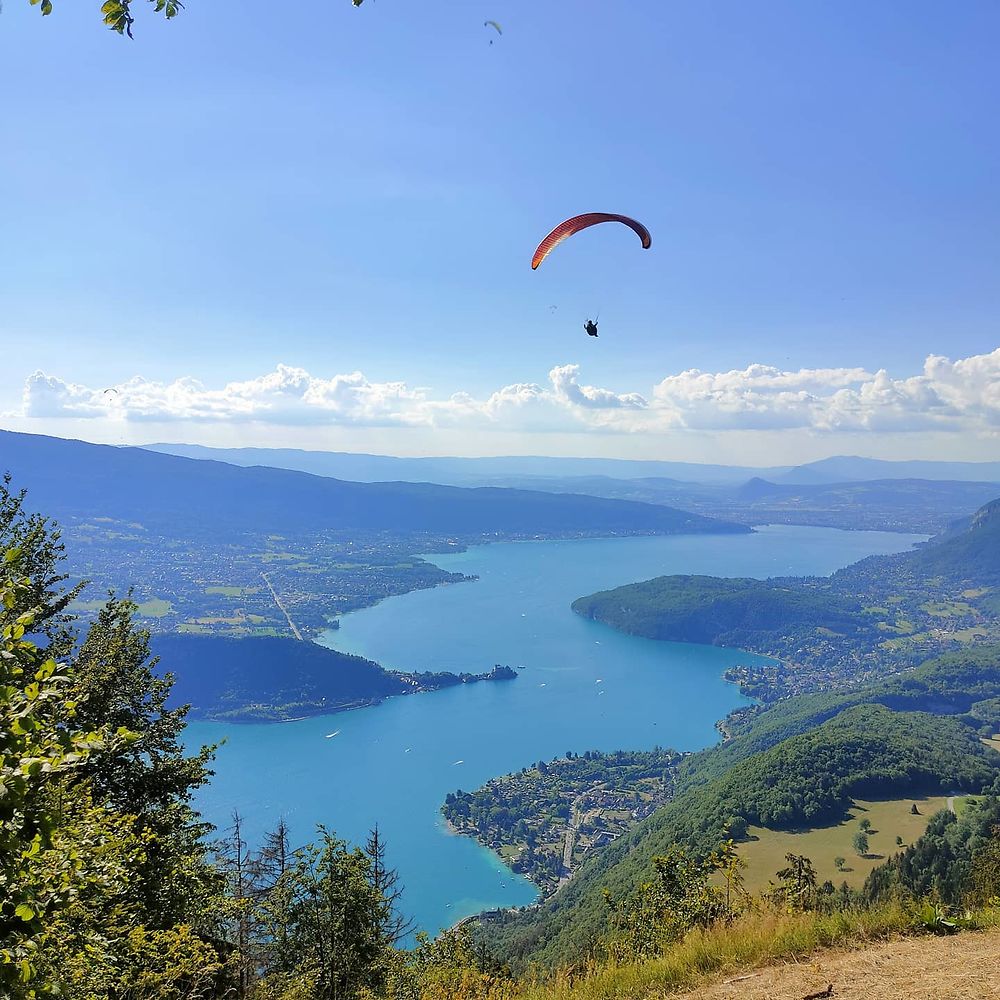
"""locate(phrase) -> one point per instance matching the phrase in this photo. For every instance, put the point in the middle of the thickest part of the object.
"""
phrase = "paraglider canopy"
(572, 226)
(493, 24)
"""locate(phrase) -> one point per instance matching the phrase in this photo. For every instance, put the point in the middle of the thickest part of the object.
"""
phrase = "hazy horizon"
(474, 455)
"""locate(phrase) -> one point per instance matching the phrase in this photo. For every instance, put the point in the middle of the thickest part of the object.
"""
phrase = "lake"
(583, 686)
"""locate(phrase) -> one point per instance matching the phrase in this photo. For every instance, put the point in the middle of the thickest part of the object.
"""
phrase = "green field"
(225, 591)
(967, 635)
(947, 609)
(155, 608)
(86, 605)
(889, 819)
(901, 627)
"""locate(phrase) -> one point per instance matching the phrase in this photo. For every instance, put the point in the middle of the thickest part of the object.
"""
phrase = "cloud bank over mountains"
(960, 396)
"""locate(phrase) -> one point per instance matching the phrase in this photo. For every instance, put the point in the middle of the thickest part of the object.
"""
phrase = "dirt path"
(963, 967)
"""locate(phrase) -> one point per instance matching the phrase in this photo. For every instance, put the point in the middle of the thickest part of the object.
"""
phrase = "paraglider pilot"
(591, 327)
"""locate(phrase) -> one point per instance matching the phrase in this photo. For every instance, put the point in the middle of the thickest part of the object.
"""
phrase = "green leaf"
(25, 912)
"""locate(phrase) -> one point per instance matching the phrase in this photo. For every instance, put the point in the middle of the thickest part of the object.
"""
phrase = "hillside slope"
(972, 554)
(799, 762)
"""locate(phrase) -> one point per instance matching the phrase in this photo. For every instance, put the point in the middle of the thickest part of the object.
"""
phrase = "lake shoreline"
(415, 685)
(587, 687)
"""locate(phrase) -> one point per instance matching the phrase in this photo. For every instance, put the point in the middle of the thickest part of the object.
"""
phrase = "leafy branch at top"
(117, 14)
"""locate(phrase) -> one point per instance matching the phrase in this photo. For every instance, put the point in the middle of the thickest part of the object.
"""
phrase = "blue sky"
(338, 190)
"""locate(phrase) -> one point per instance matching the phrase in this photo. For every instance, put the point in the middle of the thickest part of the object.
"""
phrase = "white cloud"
(959, 396)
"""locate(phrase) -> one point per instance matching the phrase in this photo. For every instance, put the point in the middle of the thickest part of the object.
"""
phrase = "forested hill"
(710, 609)
(800, 762)
(275, 679)
(972, 554)
(268, 678)
(873, 616)
(713, 609)
(70, 479)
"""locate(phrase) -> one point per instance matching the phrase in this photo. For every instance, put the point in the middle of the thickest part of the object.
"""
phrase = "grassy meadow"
(889, 819)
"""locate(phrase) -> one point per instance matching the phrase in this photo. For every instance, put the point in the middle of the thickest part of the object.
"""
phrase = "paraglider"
(579, 222)
(493, 24)
(591, 327)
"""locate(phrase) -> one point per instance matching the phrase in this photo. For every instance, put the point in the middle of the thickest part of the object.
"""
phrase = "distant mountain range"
(466, 471)
(75, 479)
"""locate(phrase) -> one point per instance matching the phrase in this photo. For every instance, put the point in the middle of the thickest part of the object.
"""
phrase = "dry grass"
(962, 967)
(765, 955)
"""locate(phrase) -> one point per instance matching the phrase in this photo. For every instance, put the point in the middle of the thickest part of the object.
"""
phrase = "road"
(283, 609)
(570, 842)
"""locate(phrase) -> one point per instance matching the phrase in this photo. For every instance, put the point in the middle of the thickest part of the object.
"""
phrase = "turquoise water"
(583, 686)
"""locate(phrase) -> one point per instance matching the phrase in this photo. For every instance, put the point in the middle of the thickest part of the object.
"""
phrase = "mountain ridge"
(153, 488)
(839, 468)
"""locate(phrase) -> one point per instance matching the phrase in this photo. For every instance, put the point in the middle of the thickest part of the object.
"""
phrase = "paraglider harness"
(591, 327)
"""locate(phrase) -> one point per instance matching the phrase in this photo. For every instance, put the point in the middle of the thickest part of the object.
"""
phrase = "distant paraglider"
(579, 222)
(493, 24)
(591, 327)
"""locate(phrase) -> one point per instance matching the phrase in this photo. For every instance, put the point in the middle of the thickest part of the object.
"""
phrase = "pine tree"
(153, 779)
(391, 926)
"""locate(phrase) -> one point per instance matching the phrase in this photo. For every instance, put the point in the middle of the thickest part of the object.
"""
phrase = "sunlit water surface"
(583, 686)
